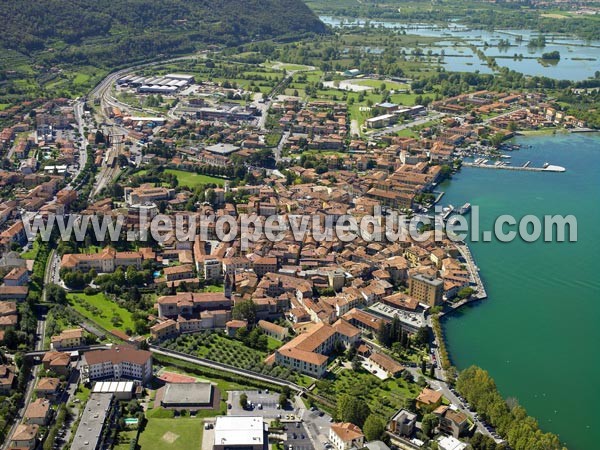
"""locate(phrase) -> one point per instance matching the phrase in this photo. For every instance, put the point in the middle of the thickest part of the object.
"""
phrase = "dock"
(473, 270)
(549, 168)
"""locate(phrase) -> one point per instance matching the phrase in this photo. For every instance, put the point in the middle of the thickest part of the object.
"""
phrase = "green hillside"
(113, 32)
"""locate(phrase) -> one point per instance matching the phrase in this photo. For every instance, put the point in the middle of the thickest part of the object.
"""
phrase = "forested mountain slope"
(112, 32)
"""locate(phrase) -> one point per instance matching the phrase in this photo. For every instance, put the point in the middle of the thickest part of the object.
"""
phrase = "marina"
(525, 167)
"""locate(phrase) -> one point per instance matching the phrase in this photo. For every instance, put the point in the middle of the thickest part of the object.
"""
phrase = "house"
(7, 378)
(451, 421)
(25, 436)
(18, 276)
(38, 412)
(385, 364)
(273, 330)
(233, 326)
(403, 423)
(8, 315)
(57, 362)
(67, 339)
(345, 436)
(429, 399)
(117, 363)
(183, 272)
(164, 330)
(18, 293)
(47, 387)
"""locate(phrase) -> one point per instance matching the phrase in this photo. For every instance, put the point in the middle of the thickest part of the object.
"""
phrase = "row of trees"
(508, 417)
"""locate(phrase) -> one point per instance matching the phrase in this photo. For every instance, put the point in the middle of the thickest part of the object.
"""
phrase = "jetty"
(524, 168)
(474, 271)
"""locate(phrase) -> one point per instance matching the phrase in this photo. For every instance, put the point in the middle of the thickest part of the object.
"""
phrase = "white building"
(346, 435)
(240, 432)
(451, 443)
(117, 363)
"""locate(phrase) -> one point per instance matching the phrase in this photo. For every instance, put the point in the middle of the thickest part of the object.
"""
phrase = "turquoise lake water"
(538, 332)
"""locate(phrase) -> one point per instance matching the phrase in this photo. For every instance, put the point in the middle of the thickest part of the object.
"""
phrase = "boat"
(464, 208)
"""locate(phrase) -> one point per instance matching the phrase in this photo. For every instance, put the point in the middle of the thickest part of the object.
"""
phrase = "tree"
(244, 401)
(374, 427)
(245, 310)
(283, 400)
(352, 409)
(423, 366)
(428, 424)
(56, 294)
(356, 364)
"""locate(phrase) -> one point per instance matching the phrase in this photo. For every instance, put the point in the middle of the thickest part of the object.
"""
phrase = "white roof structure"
(112, 387)
(450, 443)
(239, 431)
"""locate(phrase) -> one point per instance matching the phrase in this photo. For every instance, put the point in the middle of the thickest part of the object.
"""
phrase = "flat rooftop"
(187, 394)
(413, 319)
(92, 421)
(239, 431)
(222, 149)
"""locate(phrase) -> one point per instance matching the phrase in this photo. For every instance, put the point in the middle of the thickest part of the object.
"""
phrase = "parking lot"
(297, 438)
(318, 424)
(260, 403)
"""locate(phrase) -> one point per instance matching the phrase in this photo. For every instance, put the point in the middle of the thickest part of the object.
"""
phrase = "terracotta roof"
(118, 355)
(25, 432)
(38, 408)
(386, 363)
(271, 326)
(347, 431)
(48, 384)
(429, 396)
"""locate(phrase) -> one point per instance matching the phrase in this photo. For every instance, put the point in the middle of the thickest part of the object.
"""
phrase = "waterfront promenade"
(474, 271)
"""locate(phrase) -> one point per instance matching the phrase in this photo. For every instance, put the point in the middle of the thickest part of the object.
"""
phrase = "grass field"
(32, 252)
(102, 311)
(172, 434)
(190, 179)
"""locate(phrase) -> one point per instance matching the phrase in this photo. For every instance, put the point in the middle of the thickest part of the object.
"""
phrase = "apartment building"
(117, 363)
(67, 339)
(426, 289)
(105, 261)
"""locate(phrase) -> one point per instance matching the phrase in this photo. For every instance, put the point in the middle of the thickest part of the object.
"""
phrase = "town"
(206, 343)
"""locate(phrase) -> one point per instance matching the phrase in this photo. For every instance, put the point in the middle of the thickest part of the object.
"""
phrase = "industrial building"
(189, 396)
(167, 84)
(240, 433)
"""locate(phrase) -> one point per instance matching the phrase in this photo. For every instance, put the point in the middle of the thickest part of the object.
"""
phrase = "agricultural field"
(101, 310)
(217, 347)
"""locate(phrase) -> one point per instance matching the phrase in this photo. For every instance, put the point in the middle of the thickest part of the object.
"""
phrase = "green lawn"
(32, 252)
(192, 180)
(171, 434)
(124, 438)
(102, 311)
(273, 343)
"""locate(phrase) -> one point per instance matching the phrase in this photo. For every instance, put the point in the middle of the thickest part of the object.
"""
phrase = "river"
(537, 333)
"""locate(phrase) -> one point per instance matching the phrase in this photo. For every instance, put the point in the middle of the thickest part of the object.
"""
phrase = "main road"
(38, 345)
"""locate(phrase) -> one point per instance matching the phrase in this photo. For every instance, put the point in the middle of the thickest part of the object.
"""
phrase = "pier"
(549, 168)
(474, 270)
